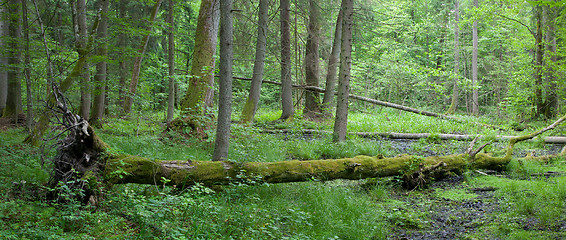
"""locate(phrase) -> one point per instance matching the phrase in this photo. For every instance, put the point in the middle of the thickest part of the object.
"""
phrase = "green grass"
(365, 209)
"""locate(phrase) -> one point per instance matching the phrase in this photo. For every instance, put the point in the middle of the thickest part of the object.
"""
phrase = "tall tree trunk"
(138, 61)
(454, 102)
(98, 104)
(539, 50)
(312, 99)
(333, 65)
(341, 120)
(286, 82)
(27, 67)
(250, 108)
(551, 102)
(81, 40)
(475, 103)
(198, 98)
(3, 57)
(222, 141)
(123, 72)
(171, 61)
(14, 97)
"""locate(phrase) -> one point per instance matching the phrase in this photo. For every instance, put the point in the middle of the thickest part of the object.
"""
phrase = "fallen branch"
(393, 135)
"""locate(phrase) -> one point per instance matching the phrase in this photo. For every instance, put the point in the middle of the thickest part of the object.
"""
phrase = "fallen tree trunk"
(441, 136)
(381, 103)
(146, 171)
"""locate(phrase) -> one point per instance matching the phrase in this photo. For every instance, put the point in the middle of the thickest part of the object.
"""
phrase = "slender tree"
(138, 60)
(3, 57)
(286, 81)
(171, 61)
(332, 65)
(551, 102)
(250, 108)
(123, 72)
(198, 98)
(539, 56)
(312, 99)
(225, 83)
(341, 120)
(475, 103)
(454, 102)
(98, 104)
(81, 40)
(27, 66)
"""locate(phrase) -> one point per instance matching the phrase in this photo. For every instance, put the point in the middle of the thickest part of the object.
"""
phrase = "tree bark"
(123, 74)
(99, 93)
(81, 41)
(250, 108)
(332, 65)
(286, 82)
(475, 103)
(312, 99)
(222, 141)
(4, 57)
(27, 67)
(14, 96)
(341, 119)
(171, 61)
(43, 122)
(551, 102)
(539, 49)
(454, 102)
(198, 98)
(138, 61)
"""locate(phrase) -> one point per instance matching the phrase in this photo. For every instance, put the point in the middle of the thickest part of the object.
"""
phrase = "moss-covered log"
(132, 169)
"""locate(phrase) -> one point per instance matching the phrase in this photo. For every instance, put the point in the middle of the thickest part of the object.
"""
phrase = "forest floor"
(527, 201)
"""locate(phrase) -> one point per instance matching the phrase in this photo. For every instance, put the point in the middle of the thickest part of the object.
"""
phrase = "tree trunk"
(332, 65)
(551, 102)
(81, 38)
(98, 104)
(198, 98)
(225, 83)
(454, 102)
(43, 122)
(539, 49)
(14, 96)
(3, 58)
(182, 173)
(138, 61)
(312, 99)
(341, 119)
(27, 67)
(123, 74)
(248, 113)
(475, 103)
(171, 61)
(286, 82)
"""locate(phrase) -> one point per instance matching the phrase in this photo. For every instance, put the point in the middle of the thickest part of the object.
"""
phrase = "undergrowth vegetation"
(521, 203)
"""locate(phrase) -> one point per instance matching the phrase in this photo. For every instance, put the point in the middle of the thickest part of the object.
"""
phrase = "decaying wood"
(393, 135)
(381, 103)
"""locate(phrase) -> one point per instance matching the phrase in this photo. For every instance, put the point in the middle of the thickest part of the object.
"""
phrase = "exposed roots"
(423, 176)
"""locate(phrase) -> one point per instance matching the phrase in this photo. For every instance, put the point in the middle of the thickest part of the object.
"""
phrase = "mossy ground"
(519, 203)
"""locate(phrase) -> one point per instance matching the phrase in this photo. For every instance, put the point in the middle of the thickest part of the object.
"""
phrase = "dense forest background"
(415, 53)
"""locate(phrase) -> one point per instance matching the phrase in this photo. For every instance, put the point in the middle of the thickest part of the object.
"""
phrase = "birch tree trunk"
(341, 120)
(248, 113)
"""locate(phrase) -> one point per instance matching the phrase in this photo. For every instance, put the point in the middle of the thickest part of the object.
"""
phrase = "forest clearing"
(280, 119)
